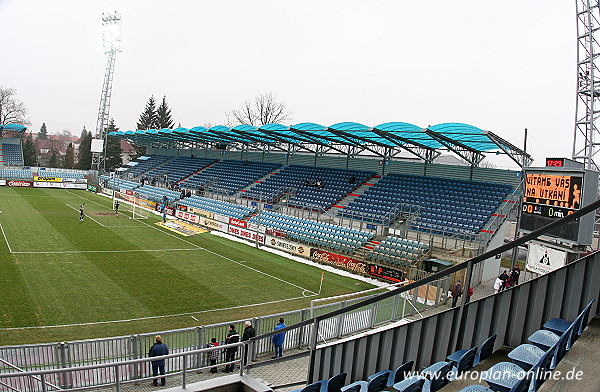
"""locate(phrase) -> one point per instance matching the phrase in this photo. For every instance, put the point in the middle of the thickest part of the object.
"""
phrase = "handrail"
(22, 371)
(128, 362)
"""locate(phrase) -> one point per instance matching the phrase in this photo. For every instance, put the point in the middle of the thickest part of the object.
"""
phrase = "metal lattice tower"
(587, 110)
(112, 42)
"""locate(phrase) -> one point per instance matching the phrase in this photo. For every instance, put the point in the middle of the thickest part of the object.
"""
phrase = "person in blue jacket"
(279, 339)
(158, 349)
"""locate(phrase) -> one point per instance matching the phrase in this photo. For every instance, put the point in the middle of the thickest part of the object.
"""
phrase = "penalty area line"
(191, 314)
(5, 239)
(210, 251)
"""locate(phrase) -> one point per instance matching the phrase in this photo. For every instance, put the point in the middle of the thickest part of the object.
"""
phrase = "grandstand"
(229, 176)
(315, 188)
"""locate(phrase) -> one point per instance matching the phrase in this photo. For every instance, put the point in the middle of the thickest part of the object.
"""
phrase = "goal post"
(137, 211)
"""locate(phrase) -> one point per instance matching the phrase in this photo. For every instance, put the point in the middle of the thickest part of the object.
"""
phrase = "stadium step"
(358, 191)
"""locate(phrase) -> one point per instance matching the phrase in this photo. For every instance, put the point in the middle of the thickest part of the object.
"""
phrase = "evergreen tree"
(163, 115)
(148, 117)
(69, 162)
(113, 148)
(53, 160)
(84, 157)
(29, 152)
(43, 134)
(83, 133)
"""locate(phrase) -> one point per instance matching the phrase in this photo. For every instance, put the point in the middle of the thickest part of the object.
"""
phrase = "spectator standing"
(498, 285)
(213, 355)
(158, 349)
(504, 279)
(249, 333)
(457, 291)
(279, 339)
(232, 337)
(514, 276)
(469, 294)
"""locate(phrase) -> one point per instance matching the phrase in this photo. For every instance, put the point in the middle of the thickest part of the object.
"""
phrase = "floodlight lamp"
(111, 32)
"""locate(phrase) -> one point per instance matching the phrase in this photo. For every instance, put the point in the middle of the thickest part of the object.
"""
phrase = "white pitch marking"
(194, 318)
(209, 251)
(154, 317)
(101, 251)
(86, 215)
(5, 239)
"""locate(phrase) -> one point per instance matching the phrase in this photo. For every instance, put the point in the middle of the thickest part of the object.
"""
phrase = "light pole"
(112, 43)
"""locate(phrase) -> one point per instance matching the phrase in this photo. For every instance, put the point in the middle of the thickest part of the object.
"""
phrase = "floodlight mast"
(587, 108)
(112, 42)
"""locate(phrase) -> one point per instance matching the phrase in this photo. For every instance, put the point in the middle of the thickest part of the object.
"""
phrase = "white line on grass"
(101, 224)
(154, 317)
(101, 251)
(5, 239)
(87, 216)
(210, 251)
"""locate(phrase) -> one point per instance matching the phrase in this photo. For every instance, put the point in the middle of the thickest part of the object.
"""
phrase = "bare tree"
(264, 109)
(12, 110)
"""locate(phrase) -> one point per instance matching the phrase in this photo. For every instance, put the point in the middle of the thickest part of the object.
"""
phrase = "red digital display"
(555, 162)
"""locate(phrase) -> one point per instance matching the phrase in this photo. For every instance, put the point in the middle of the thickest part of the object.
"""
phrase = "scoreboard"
(554, 192)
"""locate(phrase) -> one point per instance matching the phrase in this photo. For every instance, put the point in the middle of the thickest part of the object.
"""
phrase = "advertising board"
(340, 261)
(187, 216)
(19, 183)
(385, 273)
(47, 179)
(243, 233)
(287, 246)
(237, 222)
(213, 224)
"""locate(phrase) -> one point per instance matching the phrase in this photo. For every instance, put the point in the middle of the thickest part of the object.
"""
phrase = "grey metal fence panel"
(512, 315)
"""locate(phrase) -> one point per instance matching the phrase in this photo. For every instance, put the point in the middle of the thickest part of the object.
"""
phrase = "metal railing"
(117, 374)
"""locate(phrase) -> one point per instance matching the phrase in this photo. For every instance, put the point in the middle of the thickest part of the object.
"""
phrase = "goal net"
(128, 205)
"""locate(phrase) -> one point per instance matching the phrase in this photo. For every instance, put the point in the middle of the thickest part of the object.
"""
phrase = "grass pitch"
(119, 276)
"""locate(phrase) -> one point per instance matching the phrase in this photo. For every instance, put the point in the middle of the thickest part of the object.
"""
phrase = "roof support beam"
(467, 153)
(519, 156)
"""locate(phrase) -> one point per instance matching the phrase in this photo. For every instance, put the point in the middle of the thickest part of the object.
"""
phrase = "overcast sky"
(499, 65)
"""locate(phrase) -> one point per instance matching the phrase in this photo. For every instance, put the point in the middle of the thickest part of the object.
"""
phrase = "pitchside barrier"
(99, 351)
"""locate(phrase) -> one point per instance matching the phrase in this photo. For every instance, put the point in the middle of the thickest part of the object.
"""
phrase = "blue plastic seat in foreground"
(334, 384)
(526, 355)
(558, 326)
(476, 388)
(411, 384)
(503, 376)
(544, 339)
(375, 385)
(397, 375)
(315, 387)
(433, 380)
(485, 350)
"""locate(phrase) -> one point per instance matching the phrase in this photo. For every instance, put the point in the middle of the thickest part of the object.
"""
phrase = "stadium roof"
(385, 140)
(12, 128)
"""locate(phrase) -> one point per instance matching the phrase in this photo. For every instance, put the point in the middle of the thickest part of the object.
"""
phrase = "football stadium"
(299, 256)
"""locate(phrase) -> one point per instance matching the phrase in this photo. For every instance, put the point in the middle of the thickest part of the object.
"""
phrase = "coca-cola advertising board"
(339, 261)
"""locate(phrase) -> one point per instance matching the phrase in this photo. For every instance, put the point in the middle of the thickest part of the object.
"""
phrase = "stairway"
(241, 192)
(358, 191)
